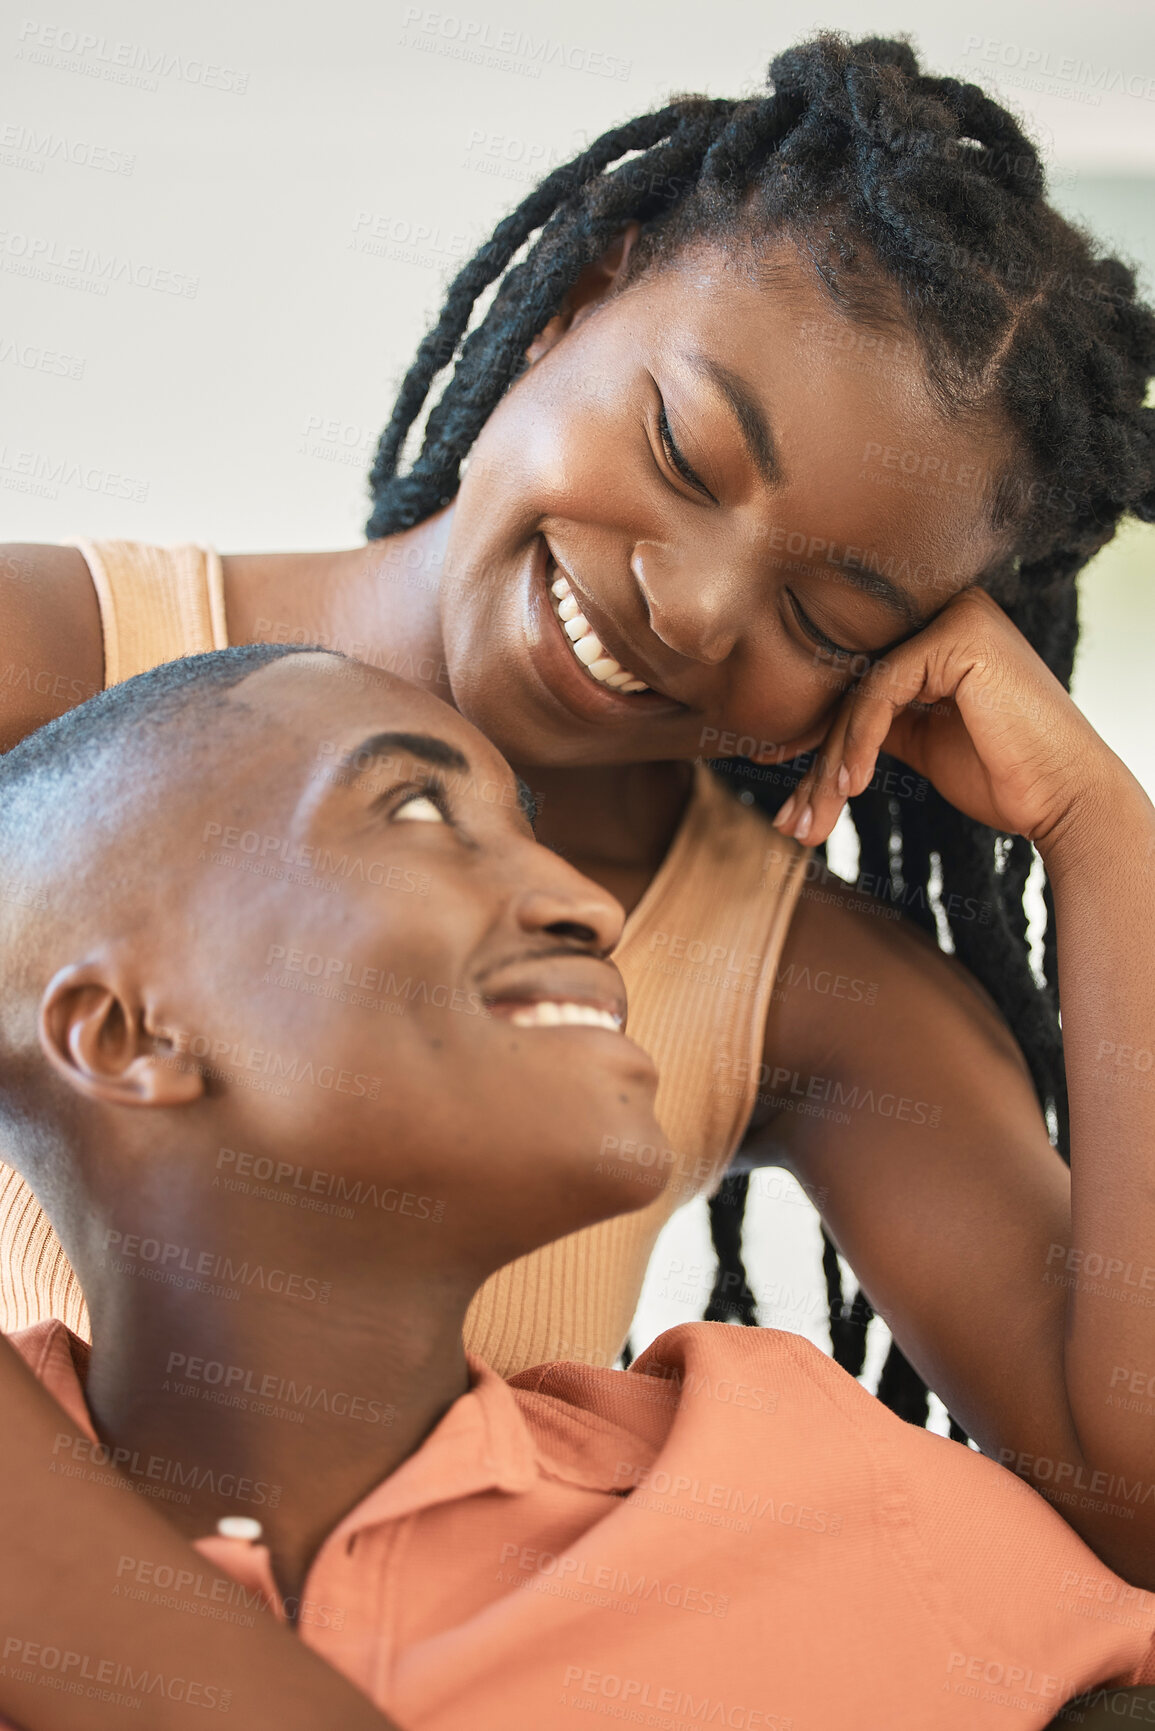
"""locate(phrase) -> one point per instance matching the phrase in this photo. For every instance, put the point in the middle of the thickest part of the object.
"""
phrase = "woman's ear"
(596, 281)
(95, 1034)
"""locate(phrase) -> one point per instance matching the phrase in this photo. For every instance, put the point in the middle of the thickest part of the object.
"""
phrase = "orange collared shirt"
(732, 1534)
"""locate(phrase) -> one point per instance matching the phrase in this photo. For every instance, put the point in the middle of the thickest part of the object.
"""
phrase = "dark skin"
(512, 1146)
(502, 924)
(684, 564)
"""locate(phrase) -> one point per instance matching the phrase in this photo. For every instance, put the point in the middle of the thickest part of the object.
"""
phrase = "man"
(310, 1039)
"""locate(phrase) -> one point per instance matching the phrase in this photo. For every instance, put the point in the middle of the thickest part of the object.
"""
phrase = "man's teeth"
(547, 1014)
(587, 645)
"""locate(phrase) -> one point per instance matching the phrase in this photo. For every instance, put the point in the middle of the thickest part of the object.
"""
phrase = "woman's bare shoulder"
(847, 950)
(52, 654)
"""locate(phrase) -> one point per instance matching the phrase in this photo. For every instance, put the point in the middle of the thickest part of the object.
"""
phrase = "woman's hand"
(971, 706)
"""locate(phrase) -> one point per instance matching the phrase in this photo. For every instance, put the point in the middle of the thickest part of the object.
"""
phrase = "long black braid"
(896, 184)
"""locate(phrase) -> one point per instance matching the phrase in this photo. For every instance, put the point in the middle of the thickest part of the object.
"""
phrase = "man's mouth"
(555, 1013)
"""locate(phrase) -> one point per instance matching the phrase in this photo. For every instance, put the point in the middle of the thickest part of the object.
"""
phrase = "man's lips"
(583, 982)
(555, 1013)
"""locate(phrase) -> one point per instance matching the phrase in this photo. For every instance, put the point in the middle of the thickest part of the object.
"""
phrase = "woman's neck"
(379, 603)
(614, 822)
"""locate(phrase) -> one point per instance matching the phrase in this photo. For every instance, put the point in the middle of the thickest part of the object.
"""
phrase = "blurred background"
(224, 230)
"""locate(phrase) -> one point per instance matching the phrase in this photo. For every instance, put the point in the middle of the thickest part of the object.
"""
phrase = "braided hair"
(904, 190)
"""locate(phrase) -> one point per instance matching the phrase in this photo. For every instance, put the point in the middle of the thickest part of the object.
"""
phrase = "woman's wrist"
(1105, 813)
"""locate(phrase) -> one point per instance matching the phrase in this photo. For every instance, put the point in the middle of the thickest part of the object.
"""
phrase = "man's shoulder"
(715, 1371)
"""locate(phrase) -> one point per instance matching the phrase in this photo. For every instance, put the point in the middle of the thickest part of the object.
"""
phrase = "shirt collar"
(493, 1438)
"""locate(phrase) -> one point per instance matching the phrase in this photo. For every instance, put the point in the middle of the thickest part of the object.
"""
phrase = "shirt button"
(239, 1527)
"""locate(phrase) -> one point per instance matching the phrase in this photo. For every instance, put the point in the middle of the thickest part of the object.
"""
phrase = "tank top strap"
(699, 956)
(156, 603)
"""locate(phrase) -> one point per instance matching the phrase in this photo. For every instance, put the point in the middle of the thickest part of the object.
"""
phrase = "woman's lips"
(587, 646)
(564, 675)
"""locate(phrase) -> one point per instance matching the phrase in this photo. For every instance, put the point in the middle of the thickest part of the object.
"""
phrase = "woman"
(802, 390)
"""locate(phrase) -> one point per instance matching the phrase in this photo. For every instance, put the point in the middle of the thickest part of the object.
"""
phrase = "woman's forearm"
(1101, 864)
(70, 1645)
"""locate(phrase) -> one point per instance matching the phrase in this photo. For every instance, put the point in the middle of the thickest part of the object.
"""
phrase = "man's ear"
(95, 1034)
(592, 286)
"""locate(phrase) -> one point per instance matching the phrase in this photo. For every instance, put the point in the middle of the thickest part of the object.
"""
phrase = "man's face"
(381, 973)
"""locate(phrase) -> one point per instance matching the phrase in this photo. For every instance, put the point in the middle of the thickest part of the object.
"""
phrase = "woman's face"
(748, 496)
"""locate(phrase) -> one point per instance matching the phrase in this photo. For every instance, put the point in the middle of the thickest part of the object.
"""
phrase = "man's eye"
(419, 808)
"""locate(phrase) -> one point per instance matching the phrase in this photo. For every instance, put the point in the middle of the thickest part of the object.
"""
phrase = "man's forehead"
(326, 697)
(336, 721)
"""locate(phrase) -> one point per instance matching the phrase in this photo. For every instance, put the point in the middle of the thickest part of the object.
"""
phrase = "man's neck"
(283, 1408)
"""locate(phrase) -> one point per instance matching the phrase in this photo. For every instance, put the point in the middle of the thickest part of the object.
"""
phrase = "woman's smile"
(587, 645)
(565, 650)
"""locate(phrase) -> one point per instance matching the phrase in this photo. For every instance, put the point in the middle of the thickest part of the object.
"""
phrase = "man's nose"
(555, 897)
(696, 596)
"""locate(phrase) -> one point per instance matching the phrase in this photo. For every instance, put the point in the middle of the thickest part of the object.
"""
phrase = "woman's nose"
(693, 598)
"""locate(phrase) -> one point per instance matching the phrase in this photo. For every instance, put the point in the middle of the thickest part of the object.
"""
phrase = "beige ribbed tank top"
(698, 955)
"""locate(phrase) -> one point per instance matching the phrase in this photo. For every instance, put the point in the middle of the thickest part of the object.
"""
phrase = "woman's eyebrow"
(879, 587)
(748, 412)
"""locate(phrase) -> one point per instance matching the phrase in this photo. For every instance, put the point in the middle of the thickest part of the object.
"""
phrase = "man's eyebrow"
(752, 422)
(426, 746)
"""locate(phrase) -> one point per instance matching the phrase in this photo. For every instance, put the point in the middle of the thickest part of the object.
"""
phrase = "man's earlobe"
(94, 1033)
(593, 285)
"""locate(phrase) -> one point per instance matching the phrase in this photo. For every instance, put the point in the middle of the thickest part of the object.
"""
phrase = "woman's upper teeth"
(550, 1014)
(587, 645)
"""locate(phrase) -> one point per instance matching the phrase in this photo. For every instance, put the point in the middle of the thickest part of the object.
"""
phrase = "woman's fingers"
(812, 810)
(848, 756)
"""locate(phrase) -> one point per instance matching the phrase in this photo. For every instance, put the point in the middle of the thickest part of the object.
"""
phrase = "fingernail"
(783, 817)
(843, 779)
(802, 827)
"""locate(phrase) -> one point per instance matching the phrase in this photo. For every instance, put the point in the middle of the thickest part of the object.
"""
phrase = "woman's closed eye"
(675, 458)
(819, 637)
